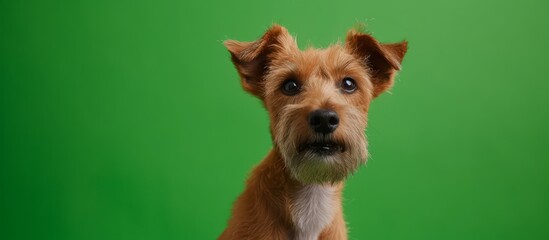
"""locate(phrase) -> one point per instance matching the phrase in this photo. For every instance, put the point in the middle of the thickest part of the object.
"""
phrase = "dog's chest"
(312, 210)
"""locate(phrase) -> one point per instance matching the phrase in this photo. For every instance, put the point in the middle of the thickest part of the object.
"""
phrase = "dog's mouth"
(322, 147)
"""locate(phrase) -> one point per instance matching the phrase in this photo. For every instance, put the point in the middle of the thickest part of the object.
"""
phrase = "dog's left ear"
(383, 60)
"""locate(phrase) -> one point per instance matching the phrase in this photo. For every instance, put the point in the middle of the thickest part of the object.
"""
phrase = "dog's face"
(317, 99)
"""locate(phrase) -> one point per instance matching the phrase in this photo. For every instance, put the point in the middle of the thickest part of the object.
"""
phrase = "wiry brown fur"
(271, 204)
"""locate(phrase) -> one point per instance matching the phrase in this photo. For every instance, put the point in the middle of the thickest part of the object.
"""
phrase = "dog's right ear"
(252, 59)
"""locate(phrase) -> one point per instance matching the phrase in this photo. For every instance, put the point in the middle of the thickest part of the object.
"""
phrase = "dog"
(317, 100)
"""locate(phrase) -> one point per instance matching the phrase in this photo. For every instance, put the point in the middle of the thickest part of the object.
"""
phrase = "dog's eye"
(348, 85)
(290, 87)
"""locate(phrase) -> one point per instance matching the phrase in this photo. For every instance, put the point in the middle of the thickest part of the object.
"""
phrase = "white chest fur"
(313, 209)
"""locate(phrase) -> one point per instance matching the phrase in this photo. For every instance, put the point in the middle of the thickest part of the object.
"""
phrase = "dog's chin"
(322, 162)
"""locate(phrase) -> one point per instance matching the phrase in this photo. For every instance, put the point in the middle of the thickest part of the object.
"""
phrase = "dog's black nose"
(323, 121)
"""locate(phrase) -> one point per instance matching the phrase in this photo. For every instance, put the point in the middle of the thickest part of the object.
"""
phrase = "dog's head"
(317, 99)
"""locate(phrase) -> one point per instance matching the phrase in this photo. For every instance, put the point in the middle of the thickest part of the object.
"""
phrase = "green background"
(126, 120)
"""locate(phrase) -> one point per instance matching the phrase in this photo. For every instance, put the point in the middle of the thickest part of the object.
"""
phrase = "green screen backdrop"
(126, 120)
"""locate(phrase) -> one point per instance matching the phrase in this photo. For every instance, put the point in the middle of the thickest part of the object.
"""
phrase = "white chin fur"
(314, 168)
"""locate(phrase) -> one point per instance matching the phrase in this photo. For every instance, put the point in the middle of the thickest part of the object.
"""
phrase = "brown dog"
(318, 101)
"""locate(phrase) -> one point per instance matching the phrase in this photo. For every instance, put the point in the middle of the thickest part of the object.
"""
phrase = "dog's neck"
(310, 208)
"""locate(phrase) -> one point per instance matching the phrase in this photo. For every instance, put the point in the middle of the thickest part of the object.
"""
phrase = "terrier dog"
(318, 101)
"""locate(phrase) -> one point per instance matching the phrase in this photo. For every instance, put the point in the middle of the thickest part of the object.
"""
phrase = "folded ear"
(383, 60)
(252, 59)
